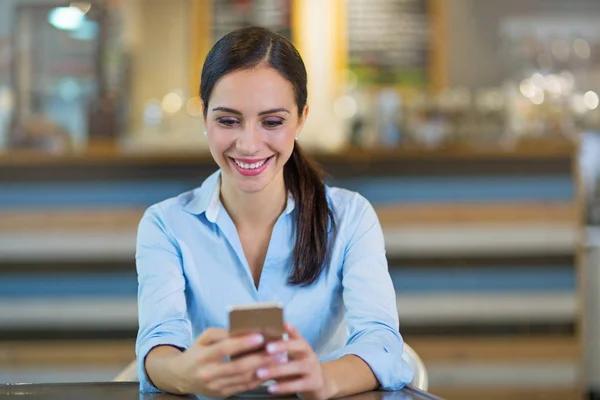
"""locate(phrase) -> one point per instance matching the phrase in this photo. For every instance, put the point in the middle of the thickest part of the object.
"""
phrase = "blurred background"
(473, 126)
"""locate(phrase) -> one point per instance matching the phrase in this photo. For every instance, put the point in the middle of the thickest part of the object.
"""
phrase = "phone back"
(266, 319)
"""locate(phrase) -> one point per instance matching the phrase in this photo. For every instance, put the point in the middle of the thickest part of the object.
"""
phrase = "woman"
(264, 228)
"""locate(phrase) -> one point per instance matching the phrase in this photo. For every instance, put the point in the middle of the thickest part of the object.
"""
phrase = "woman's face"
(252, 120)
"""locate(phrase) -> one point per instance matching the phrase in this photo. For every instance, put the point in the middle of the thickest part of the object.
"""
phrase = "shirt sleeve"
(162, 310)
(370, 302)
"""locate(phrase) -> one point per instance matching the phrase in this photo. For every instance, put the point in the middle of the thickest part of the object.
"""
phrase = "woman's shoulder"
(194, 201)
(346, 203)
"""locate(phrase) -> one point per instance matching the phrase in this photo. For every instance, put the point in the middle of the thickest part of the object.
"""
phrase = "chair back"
(421, 379)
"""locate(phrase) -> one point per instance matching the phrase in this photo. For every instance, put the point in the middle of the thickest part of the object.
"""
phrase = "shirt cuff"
(143, 350)
(389, 368)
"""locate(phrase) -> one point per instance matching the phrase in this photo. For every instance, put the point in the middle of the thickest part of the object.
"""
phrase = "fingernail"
(273, 388)
(258, 339)
(262, 373)
(281, 358)
(271, 348)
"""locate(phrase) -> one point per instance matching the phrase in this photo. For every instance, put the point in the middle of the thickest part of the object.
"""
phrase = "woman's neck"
(255, 210)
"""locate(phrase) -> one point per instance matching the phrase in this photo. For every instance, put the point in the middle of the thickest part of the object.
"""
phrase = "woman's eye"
(227, 122)
(272, 123)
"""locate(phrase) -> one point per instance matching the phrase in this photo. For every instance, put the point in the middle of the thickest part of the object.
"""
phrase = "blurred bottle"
(389, 117)
(6, 108)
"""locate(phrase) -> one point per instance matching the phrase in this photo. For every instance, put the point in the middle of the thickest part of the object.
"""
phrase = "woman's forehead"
(261, 88)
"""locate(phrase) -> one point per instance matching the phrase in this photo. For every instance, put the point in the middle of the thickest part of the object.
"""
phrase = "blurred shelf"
(482, 374)
(67, 245)
(89, 313)
(59, 353)
(487, 308)
(407, 241)
(471, 348)
(477, 213)
(104, 312)
(94, 220)
(481, 240)
(542, 157)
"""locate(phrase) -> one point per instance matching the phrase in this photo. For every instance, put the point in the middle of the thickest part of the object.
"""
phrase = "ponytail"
(305, 181)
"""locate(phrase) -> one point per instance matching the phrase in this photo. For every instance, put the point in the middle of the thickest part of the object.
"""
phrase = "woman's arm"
(158, 366)
(348, 375)
(370, 302)
(161, 298)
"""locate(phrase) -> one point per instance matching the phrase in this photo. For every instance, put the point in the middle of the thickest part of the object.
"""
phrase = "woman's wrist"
(180, 384)
(162, 366)
(327, 391)
(330, 385)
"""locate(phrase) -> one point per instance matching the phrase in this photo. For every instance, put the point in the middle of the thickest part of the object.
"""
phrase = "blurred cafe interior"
(472, 126)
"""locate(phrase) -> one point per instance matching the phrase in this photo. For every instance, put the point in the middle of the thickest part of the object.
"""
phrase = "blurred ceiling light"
(87, 31)
(553, 85)
(582, 48)
(345, 107)
(538, 97)
(560, 49)
(591, 100)
(194, 107)
(538, 80)
(527, 88)
(66, 18)
(172, 103)
(83, 6)
(153, 112)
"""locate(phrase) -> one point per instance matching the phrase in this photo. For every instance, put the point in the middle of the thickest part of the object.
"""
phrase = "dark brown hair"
(247, 48)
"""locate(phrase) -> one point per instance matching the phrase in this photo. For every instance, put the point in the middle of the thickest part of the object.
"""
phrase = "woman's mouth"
(250, 167)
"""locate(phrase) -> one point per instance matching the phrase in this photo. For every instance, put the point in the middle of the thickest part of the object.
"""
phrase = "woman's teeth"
(250, 166)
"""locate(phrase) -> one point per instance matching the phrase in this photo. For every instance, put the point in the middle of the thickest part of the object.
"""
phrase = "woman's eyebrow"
(234, 111)
(228, 110)
(273, 111)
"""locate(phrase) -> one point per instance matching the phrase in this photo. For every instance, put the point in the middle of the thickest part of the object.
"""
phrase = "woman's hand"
(204, 369)
(302, 374)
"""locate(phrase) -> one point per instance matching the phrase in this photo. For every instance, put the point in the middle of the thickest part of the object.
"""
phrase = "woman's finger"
(212, 335)
(291, 330)
(293, 347)
(244, 380)
(291, 386)
(244, 365)
(243, 387)
(287, 370)
(233, 346)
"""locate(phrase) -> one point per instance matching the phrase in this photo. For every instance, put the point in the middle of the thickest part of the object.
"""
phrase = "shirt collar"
(207, 199)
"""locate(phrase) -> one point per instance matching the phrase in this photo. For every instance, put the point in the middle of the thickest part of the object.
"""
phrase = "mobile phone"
(263, 318)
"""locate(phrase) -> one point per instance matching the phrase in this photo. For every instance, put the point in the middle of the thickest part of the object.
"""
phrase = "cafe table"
(129, 391)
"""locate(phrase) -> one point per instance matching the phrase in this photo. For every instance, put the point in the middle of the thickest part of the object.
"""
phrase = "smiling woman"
(264, 228)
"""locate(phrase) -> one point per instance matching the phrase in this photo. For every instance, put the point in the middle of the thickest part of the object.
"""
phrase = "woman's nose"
(249, 140)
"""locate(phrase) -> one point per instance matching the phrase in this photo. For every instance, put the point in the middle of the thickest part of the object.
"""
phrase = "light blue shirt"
(191, 268)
